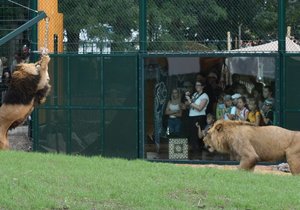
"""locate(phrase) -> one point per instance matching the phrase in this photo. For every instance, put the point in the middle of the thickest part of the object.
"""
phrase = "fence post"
(55, 43)
(280, 75)
(143, 25)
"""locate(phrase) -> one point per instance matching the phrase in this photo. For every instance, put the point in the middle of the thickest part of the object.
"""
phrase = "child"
(267, 112)
(229, 109)
(242, 110)
(220, 108)
(210, 119)
(254, 115)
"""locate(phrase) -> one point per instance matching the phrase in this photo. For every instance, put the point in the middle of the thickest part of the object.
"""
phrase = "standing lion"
(29, 87)
(250, 144)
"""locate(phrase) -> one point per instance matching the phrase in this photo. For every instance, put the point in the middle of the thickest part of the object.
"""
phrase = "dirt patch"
(19, 139)
(270, 169)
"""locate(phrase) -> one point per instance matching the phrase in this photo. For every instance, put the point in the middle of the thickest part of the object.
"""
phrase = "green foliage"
(292, 18)
(103, 20)
(50, 181)
(172, 25)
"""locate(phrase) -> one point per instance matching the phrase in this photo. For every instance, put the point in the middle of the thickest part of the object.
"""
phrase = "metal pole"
(34, 131)
(55, 43)
(143, 25)
(281, 26)
(143, 49)
(240, 36)
(280, 73)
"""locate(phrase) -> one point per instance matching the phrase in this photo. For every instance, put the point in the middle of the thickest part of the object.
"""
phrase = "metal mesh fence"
(220, 25)
(173, 26)
(191, 25)
(216, 25)
(11, 17)
(100, 26)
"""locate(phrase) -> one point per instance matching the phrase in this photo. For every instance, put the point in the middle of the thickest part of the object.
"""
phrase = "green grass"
(51, 181)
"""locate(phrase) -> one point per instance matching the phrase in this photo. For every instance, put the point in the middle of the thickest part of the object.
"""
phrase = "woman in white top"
(198, 104)
(174, 111)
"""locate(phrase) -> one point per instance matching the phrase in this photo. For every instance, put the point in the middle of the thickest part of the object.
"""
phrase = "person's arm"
(174, 113)
(246, 115)
(199, 107)
(232, 114)
(200, 132)
(268, 119)
(257, 118)
(168, 111)
(202, 105)
(179, 112)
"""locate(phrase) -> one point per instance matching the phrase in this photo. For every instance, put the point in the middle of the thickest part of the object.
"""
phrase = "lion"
(29, 87)
(250, 144)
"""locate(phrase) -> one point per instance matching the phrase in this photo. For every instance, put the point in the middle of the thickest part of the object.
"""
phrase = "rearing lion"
(28, 88)
(250, 144)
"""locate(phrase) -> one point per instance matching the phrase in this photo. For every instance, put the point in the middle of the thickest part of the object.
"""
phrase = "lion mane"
(29, 87)
(250, 144)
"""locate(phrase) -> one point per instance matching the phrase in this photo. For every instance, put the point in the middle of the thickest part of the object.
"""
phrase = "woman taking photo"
(197, 114)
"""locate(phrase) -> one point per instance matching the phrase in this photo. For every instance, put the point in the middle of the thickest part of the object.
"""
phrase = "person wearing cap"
(267, 112)
(229, 109)
(231, 114)
(235, 97)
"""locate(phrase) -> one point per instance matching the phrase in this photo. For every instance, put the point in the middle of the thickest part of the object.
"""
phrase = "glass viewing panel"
(171, 132)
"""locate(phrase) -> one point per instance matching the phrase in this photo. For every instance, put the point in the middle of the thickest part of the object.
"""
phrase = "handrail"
(41, 15)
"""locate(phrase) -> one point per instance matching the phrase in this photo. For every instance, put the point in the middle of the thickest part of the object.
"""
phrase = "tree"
(173, 23)
(98, 18)
(293, 17)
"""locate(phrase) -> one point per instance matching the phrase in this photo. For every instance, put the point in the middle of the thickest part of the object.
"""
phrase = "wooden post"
(288, 32)
(228, 41)
(236, 44)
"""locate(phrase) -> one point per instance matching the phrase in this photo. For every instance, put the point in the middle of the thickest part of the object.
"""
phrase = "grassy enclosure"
(52, 181)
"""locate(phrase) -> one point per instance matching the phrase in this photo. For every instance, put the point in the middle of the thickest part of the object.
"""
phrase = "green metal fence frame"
(68, 107)
(280, 57)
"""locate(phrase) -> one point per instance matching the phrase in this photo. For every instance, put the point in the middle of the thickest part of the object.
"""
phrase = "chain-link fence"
(11, 17)
(102, 90)
(191, 25)
(93, 26)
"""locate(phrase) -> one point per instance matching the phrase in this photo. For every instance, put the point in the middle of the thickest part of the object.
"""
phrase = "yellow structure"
(50, 7)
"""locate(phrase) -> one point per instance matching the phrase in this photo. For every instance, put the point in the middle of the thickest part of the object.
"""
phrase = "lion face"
(212, 140)
(208, 142)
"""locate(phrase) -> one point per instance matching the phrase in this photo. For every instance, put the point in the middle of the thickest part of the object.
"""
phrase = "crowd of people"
(5, 76)
(6, 70)
(192, 109)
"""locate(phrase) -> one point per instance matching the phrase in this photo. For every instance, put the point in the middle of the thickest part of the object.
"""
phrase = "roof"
(291, 46)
